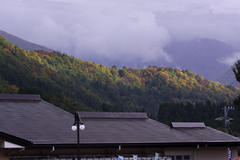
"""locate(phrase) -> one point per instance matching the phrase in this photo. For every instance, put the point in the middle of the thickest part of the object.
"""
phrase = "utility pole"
(225, 117)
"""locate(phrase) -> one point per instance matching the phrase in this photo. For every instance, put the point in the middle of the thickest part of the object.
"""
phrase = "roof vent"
(188, 125)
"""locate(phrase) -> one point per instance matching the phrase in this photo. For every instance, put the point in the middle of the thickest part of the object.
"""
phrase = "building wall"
(201, 153)
(3, 154)
(179, 151)
(219, 153)
(96, 151)
(204, 153)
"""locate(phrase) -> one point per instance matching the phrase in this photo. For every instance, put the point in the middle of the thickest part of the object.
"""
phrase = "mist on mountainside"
(206, 57)
(203, 56)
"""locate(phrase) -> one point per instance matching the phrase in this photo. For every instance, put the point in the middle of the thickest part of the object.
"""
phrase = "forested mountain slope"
(73, 84)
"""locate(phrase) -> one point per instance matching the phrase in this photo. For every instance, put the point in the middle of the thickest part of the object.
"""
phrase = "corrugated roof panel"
(188, 125)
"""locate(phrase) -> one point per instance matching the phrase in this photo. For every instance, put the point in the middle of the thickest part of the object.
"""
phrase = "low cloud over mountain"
(120, 30)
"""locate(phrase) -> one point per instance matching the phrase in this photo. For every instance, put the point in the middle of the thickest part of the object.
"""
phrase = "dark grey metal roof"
(129, 131)
(35, 120)
(188, 125)
(208, 135)
(41, 123)
(144, 130)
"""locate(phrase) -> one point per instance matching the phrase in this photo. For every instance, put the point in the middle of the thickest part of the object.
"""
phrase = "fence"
(86, 157)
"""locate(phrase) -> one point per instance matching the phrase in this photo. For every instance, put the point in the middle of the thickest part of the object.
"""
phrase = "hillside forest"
(166, 94)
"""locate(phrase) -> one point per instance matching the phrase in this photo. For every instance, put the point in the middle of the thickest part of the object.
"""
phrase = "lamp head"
(82, 126)
(74, 127)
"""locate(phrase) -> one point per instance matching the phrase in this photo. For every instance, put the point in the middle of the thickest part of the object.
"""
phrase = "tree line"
(201, 112)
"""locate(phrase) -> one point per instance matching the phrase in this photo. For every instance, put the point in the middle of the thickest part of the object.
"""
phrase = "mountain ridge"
(200, 55)
(23, 43)
(74, 84)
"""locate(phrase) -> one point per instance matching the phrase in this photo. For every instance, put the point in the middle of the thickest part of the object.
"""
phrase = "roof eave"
(15, 140)
(136, 145)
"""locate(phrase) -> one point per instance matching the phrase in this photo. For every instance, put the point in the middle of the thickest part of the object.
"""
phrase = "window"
(181, 157)
(186, 157)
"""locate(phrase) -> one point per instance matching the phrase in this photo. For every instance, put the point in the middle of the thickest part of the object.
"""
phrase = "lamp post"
(78, 125)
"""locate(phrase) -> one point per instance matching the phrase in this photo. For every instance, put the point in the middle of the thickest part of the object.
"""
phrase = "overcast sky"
(117, 29)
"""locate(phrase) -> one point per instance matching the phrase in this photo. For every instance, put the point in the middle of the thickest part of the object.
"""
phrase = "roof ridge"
(25, 97)
(120, 115)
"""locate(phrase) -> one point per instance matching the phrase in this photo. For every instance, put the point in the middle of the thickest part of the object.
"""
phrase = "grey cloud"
(120, 29)
(226, 7)
(229, 61)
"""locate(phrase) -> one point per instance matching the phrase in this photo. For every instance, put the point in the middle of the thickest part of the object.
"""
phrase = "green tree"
(236, 71)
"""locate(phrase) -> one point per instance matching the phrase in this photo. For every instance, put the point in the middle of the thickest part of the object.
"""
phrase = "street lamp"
(78, 125)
